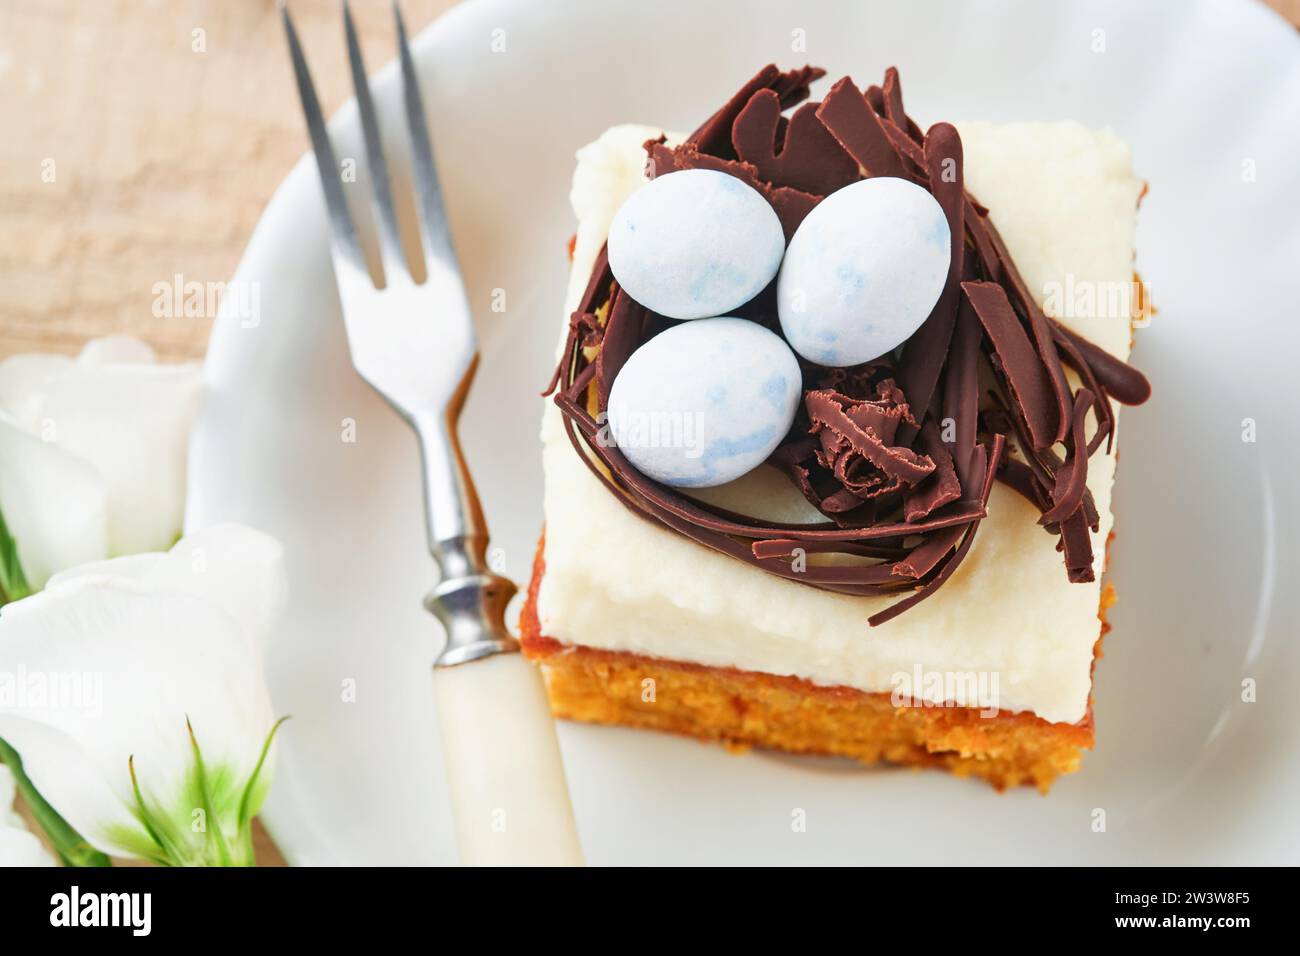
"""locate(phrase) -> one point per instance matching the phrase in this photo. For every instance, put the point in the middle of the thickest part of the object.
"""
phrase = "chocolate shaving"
(858, 129)
(987, 467)
(898, 455)
(624, 332)
(1041, 331)
(892, 105)
(942, 487)
(1120, 380)
(1071, 483)
(1014, 356)
(961, 390)
(855, 442)
(714, 136)
(926, 351)
(802, 155)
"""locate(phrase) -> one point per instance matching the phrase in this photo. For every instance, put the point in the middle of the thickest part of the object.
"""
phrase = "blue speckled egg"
(695, 243)
(705, 402)
(863, 271)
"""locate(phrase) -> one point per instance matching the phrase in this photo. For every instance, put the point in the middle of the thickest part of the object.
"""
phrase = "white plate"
(1205, 562)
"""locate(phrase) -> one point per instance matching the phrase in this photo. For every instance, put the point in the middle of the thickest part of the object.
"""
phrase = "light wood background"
(166, 125)
(140, 139)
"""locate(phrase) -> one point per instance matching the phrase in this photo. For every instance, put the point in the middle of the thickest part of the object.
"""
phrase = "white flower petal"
(236, 567)
(130, 567)
(127, 416)
(18, 847)
(159, 658)
(25, 383)
(133, 424)
(55, 504)
(117, 350)
(61, 771)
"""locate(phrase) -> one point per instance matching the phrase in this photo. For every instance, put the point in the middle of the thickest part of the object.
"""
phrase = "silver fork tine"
(390, 238)
(435, 234)
(343, 235)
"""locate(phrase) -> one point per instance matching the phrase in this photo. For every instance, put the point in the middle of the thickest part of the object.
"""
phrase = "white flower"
(18, 845)
(136, 698)
(92, 453)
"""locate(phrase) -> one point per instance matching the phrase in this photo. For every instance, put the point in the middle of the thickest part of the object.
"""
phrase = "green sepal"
(215, 791)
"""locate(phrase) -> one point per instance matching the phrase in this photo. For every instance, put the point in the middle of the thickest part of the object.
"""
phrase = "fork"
(414, 343)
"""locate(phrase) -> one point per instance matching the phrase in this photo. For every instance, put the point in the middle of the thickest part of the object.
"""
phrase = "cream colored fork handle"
(508, 792)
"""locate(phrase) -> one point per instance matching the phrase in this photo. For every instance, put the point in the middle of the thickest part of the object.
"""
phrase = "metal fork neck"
(470, 599)
(472, 610)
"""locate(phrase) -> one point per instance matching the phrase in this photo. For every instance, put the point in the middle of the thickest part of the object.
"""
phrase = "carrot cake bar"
(830, 445)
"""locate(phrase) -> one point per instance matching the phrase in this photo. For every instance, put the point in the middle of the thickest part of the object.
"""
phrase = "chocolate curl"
(859, 130)
(875, 98)
(892, 101)
(961, 391)
(986, 253)
(913, 155)
(624, 332)
(904, 134)
(1019, 364)
(1076, 543)
(1120, 380)
(1105, 414)
(941, 488)
(855, 434)
(987, 467)
(1072, 478)
(1043, 466)
(1041, 330)
(923, 559)
(582, 322)
(800, 154)
(1035, 480)
(786, 547)
(1019, 477)
(927, 349)
(714, 136)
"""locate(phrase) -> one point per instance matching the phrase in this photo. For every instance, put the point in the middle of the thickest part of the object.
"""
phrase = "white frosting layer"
(1064, 199)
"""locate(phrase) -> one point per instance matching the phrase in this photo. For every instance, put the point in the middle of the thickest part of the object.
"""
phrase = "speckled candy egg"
(863, 271)
(705, 402)
(695, 243)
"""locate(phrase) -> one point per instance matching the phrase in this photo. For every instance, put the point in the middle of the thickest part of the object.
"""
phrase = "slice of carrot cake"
(831, 440)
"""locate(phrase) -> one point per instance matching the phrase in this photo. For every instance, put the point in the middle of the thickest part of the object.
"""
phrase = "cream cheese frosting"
(1064, 200)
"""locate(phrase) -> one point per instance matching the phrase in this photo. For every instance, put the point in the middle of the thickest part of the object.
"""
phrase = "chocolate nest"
(899, 454)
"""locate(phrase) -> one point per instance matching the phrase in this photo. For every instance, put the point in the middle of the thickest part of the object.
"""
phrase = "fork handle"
(508, 792)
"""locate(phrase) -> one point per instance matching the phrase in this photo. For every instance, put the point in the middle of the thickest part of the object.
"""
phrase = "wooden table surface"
(141, 140)
(164, 125)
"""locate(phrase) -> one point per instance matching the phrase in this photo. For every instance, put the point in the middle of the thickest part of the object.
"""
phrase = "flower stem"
(13, 583)
(71, 846)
